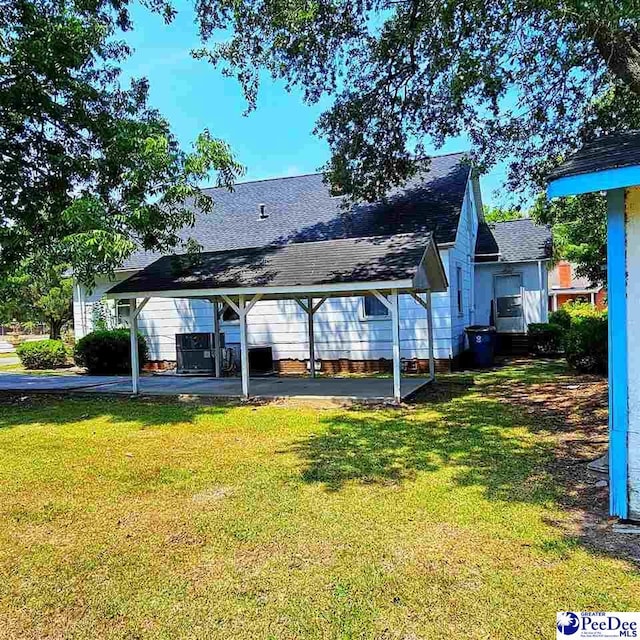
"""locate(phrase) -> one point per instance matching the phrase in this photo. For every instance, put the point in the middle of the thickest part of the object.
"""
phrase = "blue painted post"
(618, 368)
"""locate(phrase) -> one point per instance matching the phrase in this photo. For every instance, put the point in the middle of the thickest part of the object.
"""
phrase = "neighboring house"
(565, 286)
(352, 333)
(512, 261)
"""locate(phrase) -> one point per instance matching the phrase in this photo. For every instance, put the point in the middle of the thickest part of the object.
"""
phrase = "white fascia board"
(280, 293)
(505, 262)
(431, 258)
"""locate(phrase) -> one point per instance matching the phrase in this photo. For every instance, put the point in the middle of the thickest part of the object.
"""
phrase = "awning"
(331, 267)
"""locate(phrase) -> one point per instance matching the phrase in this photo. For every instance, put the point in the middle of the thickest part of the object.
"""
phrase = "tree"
(88, 171)
(498, 214)
(38, 293)
(527, 82)
(579, 232)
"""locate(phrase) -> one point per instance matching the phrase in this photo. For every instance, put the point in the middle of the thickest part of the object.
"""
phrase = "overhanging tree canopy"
(526, 81)
(88, 171)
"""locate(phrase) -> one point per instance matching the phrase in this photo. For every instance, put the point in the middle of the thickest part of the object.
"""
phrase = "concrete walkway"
(371, 389)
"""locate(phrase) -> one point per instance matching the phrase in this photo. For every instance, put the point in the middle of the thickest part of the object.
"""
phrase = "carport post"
(310, 310)
(133, 331)
(432, 361)
(134, 312)
(242, 309)
(244, 349)
(395, 322)
(312, 341)
(217, 351)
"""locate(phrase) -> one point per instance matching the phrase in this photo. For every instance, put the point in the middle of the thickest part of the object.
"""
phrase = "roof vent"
(263, 215)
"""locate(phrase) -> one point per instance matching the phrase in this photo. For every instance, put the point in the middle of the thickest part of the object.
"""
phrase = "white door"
(507, 298)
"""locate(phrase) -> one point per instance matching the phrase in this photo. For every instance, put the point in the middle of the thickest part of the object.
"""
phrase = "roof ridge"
(319, 173)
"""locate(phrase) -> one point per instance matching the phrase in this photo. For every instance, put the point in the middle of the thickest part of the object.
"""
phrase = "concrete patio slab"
(370, 389)
(20, 382)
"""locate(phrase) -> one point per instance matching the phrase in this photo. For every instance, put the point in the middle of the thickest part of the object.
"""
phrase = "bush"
(586, 343)
(545, 339)
(107, 351)
(43, 354)
(561, 318)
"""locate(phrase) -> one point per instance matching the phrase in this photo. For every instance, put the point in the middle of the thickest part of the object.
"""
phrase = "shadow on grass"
(458, 428)
(60, 410)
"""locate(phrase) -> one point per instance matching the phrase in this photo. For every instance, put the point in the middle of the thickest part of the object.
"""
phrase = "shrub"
(43, 354)
(107, 351)
(545, 339)
(586, 343)
(561, 318)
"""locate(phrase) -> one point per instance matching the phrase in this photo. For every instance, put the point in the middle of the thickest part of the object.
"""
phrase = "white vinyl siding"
(341, 328)
(534, 300)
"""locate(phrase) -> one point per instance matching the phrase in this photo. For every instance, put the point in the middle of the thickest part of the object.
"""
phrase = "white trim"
(217, 348)
(231, 304)
(506, 262)
(569, 292)
(136, 312)
(365, 317)
(395, 328)
(346, 288)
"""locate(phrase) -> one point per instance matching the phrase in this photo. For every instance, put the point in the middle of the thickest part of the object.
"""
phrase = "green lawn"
(454, 517)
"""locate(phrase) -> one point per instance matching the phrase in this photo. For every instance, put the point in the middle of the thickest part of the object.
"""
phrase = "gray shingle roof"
(514, 241)
(313, 263)
(301, 209)
(607, 152)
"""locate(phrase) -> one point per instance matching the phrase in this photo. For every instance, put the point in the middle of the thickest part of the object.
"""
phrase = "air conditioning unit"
(195, 352)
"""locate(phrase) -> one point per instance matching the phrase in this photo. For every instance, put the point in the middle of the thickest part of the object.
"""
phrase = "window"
(123, 313)
(459, 289)
(229, 314)
(373, 308)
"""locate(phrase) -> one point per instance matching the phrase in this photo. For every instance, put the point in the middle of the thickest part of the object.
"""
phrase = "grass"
(132, 519)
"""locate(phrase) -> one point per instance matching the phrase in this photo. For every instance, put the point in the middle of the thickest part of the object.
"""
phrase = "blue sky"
(274, 140)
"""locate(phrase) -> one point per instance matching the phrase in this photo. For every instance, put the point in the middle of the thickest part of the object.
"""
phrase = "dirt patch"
(212, 495)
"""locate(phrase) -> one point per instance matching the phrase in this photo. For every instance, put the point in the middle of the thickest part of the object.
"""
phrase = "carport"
(308, 273)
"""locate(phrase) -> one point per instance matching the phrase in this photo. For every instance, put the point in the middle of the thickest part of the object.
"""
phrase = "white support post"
(395, 322)
(244, 348)
(242, 309)
(133, 329)
(312, 345)
(427, 305)
(310, 309)
(432, 361)
(217, 350)
(135, 362)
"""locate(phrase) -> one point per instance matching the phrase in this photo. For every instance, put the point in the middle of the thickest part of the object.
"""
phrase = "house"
(565, 286)
(511, 275)
(485, 266)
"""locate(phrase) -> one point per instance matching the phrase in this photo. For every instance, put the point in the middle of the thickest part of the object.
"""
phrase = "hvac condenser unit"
(195, 352)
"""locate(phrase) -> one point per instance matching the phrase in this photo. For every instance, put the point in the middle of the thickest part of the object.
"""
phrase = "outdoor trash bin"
(482, 341)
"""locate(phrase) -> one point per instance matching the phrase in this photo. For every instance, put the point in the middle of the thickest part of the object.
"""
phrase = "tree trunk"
(621, 53)
(55, 329)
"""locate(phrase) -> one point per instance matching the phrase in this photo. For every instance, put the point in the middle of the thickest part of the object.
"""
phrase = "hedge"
(108, 351)
(586, 343)
(43, 354)
(545, 338)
